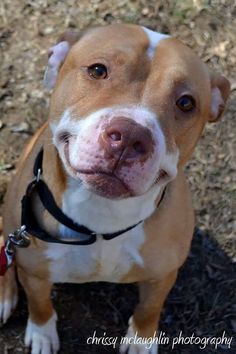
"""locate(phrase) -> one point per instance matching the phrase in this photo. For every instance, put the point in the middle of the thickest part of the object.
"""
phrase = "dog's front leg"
(8, 294)
(41, 332)
(8, 291)
(145, 320)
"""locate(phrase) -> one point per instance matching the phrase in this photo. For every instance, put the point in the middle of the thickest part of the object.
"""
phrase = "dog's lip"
(79, 172)
(162, 175)
(105, 184)
(103, 173)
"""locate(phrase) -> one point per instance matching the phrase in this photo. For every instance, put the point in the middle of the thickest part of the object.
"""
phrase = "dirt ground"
(204, 298)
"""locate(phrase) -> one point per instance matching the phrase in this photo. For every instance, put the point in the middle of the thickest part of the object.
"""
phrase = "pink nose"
(127, 140)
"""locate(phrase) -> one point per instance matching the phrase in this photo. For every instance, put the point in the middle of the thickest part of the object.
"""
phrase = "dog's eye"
(186, 103)
(97, 71)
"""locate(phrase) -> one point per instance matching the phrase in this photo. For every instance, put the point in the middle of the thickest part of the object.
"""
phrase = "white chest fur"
(101, 261)
(104, 260)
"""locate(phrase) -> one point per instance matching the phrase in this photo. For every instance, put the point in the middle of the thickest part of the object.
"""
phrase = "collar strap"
(28, 218)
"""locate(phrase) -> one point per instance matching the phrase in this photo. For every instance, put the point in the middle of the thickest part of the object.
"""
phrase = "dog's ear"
(57, 55)
(220, 90)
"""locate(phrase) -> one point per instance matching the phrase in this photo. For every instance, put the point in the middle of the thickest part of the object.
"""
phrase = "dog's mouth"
(109, 185)
(105, 184)
(112, 184)
(162, 176)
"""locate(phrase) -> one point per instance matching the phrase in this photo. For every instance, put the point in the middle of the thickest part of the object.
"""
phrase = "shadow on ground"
(202, 302)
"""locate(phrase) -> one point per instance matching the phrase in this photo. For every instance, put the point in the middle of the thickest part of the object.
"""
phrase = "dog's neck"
(106, 215)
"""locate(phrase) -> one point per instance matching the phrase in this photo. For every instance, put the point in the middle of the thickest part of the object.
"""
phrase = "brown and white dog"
(127, 109)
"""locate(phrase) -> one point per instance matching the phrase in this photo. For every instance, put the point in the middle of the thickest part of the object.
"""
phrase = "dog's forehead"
(153, 64)
(132, 42)
(120, 37)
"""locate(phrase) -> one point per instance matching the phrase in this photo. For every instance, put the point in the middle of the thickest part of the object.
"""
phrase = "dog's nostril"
(139, 148)
(115, 136)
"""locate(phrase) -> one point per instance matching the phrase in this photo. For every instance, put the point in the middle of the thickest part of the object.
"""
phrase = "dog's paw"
(8, 295)
(42, 339)
(132, 344)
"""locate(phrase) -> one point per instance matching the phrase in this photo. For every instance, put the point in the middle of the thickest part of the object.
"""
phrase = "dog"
(100, 193)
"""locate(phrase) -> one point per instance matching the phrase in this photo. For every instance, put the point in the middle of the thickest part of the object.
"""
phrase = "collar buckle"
(19, 238)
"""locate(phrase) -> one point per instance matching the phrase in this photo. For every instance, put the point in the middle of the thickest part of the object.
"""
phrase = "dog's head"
(128, 107)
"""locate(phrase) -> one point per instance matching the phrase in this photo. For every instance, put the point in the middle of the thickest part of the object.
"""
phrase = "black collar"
(28, 218)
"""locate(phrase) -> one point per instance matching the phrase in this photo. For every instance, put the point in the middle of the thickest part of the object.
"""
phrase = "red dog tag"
(3, 261)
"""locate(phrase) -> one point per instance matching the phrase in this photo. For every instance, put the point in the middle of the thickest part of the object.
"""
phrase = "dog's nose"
(127, 140)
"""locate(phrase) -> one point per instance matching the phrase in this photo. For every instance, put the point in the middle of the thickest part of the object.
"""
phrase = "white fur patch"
(102, 261)
(138, 347)
(42, 339)
(154, 39)
(169, 163)
(106, 215)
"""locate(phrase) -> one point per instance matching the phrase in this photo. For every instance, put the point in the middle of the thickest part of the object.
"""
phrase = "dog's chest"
(101, 261)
